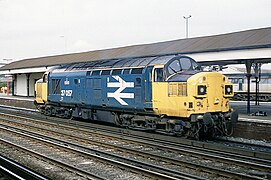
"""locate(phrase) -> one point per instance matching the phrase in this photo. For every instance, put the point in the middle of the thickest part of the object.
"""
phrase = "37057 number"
(66, 92)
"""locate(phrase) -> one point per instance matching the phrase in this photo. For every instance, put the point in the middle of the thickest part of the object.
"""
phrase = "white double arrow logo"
(121, 84)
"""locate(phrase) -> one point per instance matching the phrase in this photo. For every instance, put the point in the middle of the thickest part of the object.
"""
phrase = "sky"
(36, 28)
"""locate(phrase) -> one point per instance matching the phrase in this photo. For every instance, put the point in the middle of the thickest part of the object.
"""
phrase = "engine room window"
(158, 75)
(89, 73)
(126, 71)
(137, 71)
(96, 73)
(106, 72)
(116, 71)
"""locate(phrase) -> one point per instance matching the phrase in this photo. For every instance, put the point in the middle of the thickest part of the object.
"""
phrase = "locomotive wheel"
(48, 111)
(118, 121)
(195, 131)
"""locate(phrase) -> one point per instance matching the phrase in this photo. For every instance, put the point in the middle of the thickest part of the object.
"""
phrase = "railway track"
(73, 162)
(249, 148)
(92, 126)
(241, 143)
(40, 161)
(171, 157)
(12, 170)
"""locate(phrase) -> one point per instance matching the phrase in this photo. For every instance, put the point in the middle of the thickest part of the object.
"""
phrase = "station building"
(250, 47)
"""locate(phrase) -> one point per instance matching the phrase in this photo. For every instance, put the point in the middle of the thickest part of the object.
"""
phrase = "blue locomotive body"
(161, 93)
(121, 90)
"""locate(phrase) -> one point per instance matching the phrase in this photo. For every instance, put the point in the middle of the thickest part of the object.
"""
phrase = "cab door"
(41, 89)
(159, 90)
(148, 86)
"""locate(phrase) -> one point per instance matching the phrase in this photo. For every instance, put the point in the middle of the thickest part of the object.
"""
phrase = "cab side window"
(45, 78)
(158, 75)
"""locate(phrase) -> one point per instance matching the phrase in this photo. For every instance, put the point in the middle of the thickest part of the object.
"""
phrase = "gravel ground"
(86, 163)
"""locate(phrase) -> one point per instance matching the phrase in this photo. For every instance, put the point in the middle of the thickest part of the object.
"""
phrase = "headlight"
(201, 90)
(228, 89)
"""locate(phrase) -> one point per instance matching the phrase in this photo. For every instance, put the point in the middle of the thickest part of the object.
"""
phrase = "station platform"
(256, 111)
(17, 101)
(22, 98)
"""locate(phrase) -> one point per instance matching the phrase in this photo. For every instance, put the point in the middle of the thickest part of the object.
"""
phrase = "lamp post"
(65, 40)
(186, 19)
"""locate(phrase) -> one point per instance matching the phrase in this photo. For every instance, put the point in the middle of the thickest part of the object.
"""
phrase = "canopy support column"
(27, 82)
(257, 70)
(248, 75)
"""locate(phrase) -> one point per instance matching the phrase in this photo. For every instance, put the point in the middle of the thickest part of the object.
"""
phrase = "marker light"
(201, 90)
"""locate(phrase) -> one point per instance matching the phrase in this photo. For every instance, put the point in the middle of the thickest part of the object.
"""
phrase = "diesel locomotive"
(168, 94)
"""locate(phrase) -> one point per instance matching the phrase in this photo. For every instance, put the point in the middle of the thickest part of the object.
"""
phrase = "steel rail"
(18, 171)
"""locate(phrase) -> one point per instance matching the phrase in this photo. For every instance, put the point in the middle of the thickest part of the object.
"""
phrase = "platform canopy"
(231, 48)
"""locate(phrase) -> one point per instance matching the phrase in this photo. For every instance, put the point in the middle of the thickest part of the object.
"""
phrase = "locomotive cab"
(189, 98)
(41, 91)
(170, 90)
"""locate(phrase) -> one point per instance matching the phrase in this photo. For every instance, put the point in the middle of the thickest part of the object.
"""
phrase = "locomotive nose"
(213, 92)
